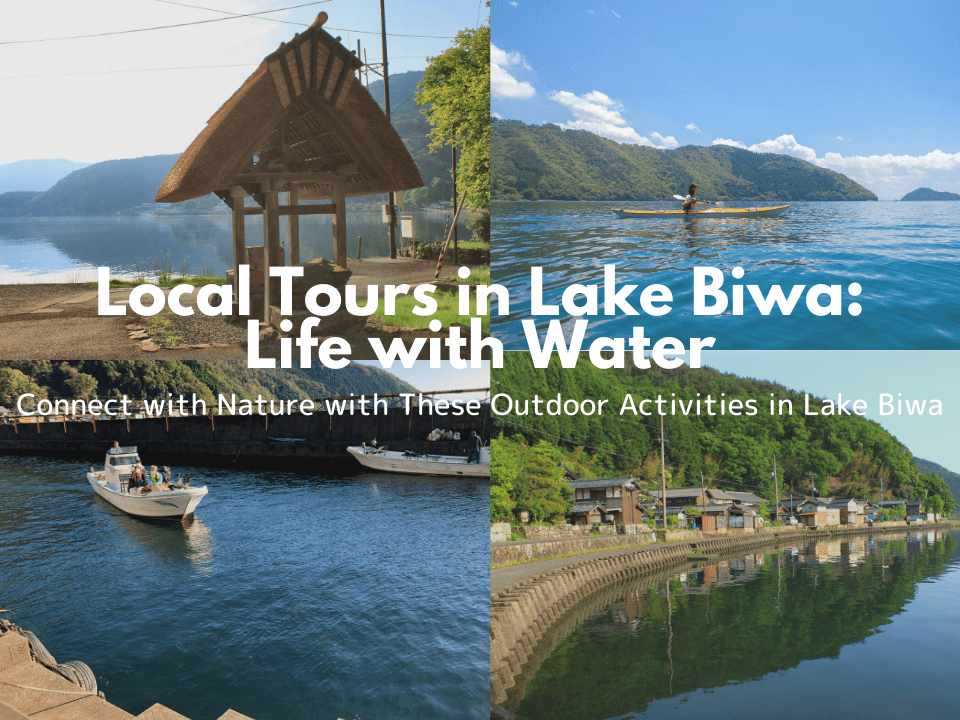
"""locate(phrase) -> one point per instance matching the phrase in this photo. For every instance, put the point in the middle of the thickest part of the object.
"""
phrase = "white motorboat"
(414, 463)
(112, 485)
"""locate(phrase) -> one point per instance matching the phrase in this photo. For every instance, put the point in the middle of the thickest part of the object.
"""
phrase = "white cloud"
(691, 126)
(513, 3)
(889, 175)
(502, 83)
(599, 114)
(611, 11)
(839, 137)
(497, 115)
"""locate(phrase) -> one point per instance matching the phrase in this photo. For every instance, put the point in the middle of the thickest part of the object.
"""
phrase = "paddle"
(707, 202)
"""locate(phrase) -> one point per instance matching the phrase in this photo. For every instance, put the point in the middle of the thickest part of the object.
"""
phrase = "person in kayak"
(690, 202)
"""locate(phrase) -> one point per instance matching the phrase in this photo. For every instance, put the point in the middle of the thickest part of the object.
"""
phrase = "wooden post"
(271, 244)
(359, 239)
(339, 227)
(239, 238)
(294, 225)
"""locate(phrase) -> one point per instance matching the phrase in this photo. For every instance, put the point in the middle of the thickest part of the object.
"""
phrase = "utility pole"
(776, 490)
(391, 197)
(663, 476)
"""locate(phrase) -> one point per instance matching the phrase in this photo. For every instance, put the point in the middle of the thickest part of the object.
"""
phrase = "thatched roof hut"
(302, 123)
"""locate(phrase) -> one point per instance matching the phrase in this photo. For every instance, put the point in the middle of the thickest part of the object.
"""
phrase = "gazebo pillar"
(239, 238)
(294, 226)
(339, 226)
(271, 244)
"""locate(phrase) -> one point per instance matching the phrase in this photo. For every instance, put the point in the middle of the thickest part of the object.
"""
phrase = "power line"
(115, 72)
(161, 27)
(224, 12)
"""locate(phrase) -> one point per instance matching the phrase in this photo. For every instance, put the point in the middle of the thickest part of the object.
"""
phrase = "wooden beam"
(325, 209)
(339, 227)
(326, 176)
(294, 225)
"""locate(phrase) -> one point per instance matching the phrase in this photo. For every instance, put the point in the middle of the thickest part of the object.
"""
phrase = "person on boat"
(157, 481)
(690, 202)
(473, 448)
(115, 450)
(138, 478)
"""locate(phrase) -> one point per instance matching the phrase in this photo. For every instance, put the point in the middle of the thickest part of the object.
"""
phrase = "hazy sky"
(867, 89)
(915, 375)
(146, 93)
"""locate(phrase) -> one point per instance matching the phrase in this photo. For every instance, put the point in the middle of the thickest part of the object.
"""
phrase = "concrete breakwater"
(522, 614)
(226, 438)
(32, 686)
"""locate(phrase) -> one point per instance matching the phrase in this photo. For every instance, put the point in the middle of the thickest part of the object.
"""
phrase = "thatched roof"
(301, 116)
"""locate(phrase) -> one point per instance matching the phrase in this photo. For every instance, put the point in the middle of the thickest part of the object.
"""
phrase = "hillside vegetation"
(835, 455)
(545, 162)
(154, 379)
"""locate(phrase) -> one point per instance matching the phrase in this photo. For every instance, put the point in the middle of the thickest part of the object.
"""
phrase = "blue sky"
(868, 89)
(917, 375)
(148, 93)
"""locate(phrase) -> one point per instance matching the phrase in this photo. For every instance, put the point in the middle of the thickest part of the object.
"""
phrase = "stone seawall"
(525, 551)
(521, 614)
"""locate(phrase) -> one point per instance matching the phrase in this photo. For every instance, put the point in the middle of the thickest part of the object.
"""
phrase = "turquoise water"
(864, 627)
(905, 256)
(289, 596)
(70, 249)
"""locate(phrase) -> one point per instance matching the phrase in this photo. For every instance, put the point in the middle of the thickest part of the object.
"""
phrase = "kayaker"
(690, 201)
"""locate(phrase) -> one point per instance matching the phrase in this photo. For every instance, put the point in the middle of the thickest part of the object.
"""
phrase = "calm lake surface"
(289, 596)
(70, 249)
(906, 257)
(864, 627)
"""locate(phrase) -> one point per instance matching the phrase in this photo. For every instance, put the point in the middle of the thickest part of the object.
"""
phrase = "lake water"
(70, 249)
(864, 627)
(289, 596)
(906, 257)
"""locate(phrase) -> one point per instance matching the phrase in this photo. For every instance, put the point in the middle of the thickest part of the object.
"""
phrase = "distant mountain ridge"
(147, 378)
(126, 186)
(35, 175)
(928, 194)
(546, 162)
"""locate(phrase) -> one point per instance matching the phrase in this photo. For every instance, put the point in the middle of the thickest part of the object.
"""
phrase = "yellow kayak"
(711, 213)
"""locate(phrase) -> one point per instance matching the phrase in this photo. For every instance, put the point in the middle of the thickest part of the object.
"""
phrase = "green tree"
(456, 92)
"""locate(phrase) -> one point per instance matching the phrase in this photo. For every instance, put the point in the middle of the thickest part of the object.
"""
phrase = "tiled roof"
(584, 483)
(679, 492)
(584, 506)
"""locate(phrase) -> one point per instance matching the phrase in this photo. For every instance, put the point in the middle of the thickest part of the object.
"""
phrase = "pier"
(215, 439)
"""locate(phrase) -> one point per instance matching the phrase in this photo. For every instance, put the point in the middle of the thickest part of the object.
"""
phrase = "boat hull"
(712, 213)
(175, 504)
(397, 462)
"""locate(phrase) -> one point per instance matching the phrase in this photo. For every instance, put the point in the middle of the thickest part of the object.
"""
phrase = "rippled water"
(906, 257)
(289, 596)
(70, 249)
(864, 627)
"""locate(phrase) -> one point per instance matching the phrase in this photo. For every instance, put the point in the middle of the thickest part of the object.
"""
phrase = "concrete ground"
(61, 322)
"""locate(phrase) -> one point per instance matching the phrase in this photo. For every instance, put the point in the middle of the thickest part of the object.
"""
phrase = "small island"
(928, 194)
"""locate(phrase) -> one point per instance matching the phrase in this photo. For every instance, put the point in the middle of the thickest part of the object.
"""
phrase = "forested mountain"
(951, 478)
(835, 455)
(105, 188)
(545, 162)
(37, 175)
(124, 186)
(154, 379)
(928, 194)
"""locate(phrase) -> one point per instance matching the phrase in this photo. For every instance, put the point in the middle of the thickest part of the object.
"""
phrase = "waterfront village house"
(718, 509)
(789, 508)
(818, 513)
(888, 505)
(604, 500)
(851, 512)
